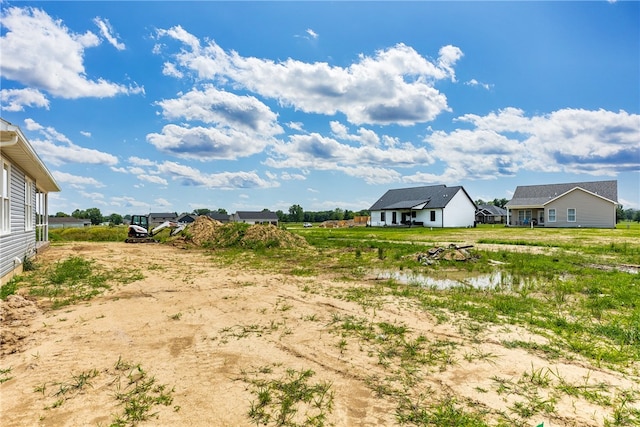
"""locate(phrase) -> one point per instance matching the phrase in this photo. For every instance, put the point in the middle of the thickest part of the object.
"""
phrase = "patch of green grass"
(444, 412)
(76, 279)
(138, 393)
(9, 288)
(290, 400)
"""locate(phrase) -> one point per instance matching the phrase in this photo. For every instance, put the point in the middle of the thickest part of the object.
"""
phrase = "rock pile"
(451, 253)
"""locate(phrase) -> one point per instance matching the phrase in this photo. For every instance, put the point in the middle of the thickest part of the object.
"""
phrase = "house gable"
(538, 195)
(424, 206)
(582, 204)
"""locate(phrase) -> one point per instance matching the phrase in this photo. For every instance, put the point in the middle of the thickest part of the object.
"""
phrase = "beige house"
(579, 204)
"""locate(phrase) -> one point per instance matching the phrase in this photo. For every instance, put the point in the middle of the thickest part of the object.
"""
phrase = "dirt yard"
(213, 333)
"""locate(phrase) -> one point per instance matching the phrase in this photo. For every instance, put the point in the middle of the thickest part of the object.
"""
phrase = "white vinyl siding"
(29, 197)
(5, 198)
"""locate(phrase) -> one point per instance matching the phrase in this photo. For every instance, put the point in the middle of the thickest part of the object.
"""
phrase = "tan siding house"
(581, 204)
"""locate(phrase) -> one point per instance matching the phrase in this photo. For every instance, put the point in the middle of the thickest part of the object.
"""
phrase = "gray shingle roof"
(263, 215)
(538, 195)
(492, 209)
(435, 196)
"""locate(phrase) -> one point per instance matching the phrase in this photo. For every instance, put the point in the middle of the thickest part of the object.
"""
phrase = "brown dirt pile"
(16, 313)
(205, 231)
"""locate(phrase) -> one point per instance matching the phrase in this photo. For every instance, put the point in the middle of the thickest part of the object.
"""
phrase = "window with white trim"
(5, 191)
(571, 215)
(552, 215)
(29, 194)
(383, 216)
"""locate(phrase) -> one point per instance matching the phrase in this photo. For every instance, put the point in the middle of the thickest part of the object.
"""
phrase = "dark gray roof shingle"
(262, 215)
(538, 195)
(492, 209)
(435, 196)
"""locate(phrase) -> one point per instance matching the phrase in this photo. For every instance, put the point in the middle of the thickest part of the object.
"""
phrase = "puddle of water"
(494, 280)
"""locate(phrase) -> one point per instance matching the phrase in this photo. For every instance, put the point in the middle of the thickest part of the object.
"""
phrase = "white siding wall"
(591, 211)
(460, 211)
(425, 217)
(18, 243)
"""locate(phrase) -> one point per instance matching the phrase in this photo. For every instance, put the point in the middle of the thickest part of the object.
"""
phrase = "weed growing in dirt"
(138, 393)
(4, 375)
(76, 279)
(131, 386)
(290, 400)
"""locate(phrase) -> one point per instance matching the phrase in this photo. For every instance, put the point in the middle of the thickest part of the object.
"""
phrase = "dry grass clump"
(207, 232)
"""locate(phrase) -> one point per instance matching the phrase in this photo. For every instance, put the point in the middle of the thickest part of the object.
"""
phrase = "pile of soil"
(16, 313)
(205, 231)
(271, 236)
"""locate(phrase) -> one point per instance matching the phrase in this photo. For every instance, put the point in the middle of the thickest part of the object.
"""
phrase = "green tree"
(620, 216)
(296, 213)
(636, 216)
(61, 215)
(202, 211)
(501, 203)
(222, 211)
(94, 215)
(480, 202)
(115, 219)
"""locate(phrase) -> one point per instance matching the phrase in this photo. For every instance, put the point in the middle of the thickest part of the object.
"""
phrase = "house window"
(552, 215)
(524, 216)
(28, 204)
(571, 215)
(5, 185)
(383, 216)
(413, 214)
(432, 218)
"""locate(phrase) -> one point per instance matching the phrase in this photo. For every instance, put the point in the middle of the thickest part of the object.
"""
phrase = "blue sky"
(141, 107)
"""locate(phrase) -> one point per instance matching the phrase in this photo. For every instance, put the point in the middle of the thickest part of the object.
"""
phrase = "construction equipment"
(139, 231)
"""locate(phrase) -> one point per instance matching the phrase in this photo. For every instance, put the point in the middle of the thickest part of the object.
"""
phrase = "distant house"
(430, 206)
(156, 219)
(491, 214)
(579, 204)
(222, 217)
(68, 222)
(186, 218)
(249, 217)
(25, 184)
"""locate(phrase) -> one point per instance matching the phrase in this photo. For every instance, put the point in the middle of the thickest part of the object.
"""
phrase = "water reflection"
(497, 279)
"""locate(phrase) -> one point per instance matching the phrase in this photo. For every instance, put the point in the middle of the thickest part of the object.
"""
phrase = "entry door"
(394, 218)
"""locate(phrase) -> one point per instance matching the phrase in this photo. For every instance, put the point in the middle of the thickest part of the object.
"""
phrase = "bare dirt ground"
(206, 331)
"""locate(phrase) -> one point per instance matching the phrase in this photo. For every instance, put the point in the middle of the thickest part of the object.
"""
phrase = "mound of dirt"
(271, 236)
(16, 313)
(205, 231)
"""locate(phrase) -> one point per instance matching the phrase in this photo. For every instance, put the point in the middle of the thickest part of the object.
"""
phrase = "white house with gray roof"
(25, 183)
(253, 217)
(578, 204)
(429, 206)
